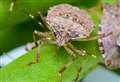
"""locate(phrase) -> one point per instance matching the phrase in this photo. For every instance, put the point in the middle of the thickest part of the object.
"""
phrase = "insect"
(110, 45)
(65, 23)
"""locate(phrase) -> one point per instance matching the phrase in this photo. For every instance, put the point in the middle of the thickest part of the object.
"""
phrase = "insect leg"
(77, 75)
(102, 35)
(81, 52)
(37, 55)
(69, 51)
(34, 18)
(91, 38)
(46, 35)
(43, 21)
(42, 36)
(34, 44)
(37, 43)
(78, 51)
(61, 71)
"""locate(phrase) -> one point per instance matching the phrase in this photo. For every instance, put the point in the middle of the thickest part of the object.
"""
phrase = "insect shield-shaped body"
(65, 23)
(111, 43)
(69, 22)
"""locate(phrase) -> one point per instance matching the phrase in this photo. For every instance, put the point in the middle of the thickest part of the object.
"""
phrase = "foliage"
(16, 29)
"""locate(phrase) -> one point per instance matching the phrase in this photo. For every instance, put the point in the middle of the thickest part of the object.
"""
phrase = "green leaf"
(50, 63)
(17, 35)
(51, 60)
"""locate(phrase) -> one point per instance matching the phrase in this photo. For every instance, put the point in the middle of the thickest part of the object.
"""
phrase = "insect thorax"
(69, 22)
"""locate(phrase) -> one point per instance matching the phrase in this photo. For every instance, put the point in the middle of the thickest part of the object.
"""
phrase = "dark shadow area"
(18, 35)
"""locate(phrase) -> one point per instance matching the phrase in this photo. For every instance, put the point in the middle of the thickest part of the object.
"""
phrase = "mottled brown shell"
(69, 22)
(111, 23)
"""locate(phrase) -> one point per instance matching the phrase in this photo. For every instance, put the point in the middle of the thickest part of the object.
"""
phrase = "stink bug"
(110, 45)
(65, 23)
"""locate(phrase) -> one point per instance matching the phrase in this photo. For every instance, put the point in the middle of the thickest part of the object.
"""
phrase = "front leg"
(42, 22)
(37, 58)
(44, 37)
(40, 36)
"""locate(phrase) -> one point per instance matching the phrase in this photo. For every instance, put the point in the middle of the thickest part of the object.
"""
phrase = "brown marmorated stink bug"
(110, 45)
(65, 23)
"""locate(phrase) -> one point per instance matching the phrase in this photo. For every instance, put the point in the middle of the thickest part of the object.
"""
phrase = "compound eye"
(118, 40)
